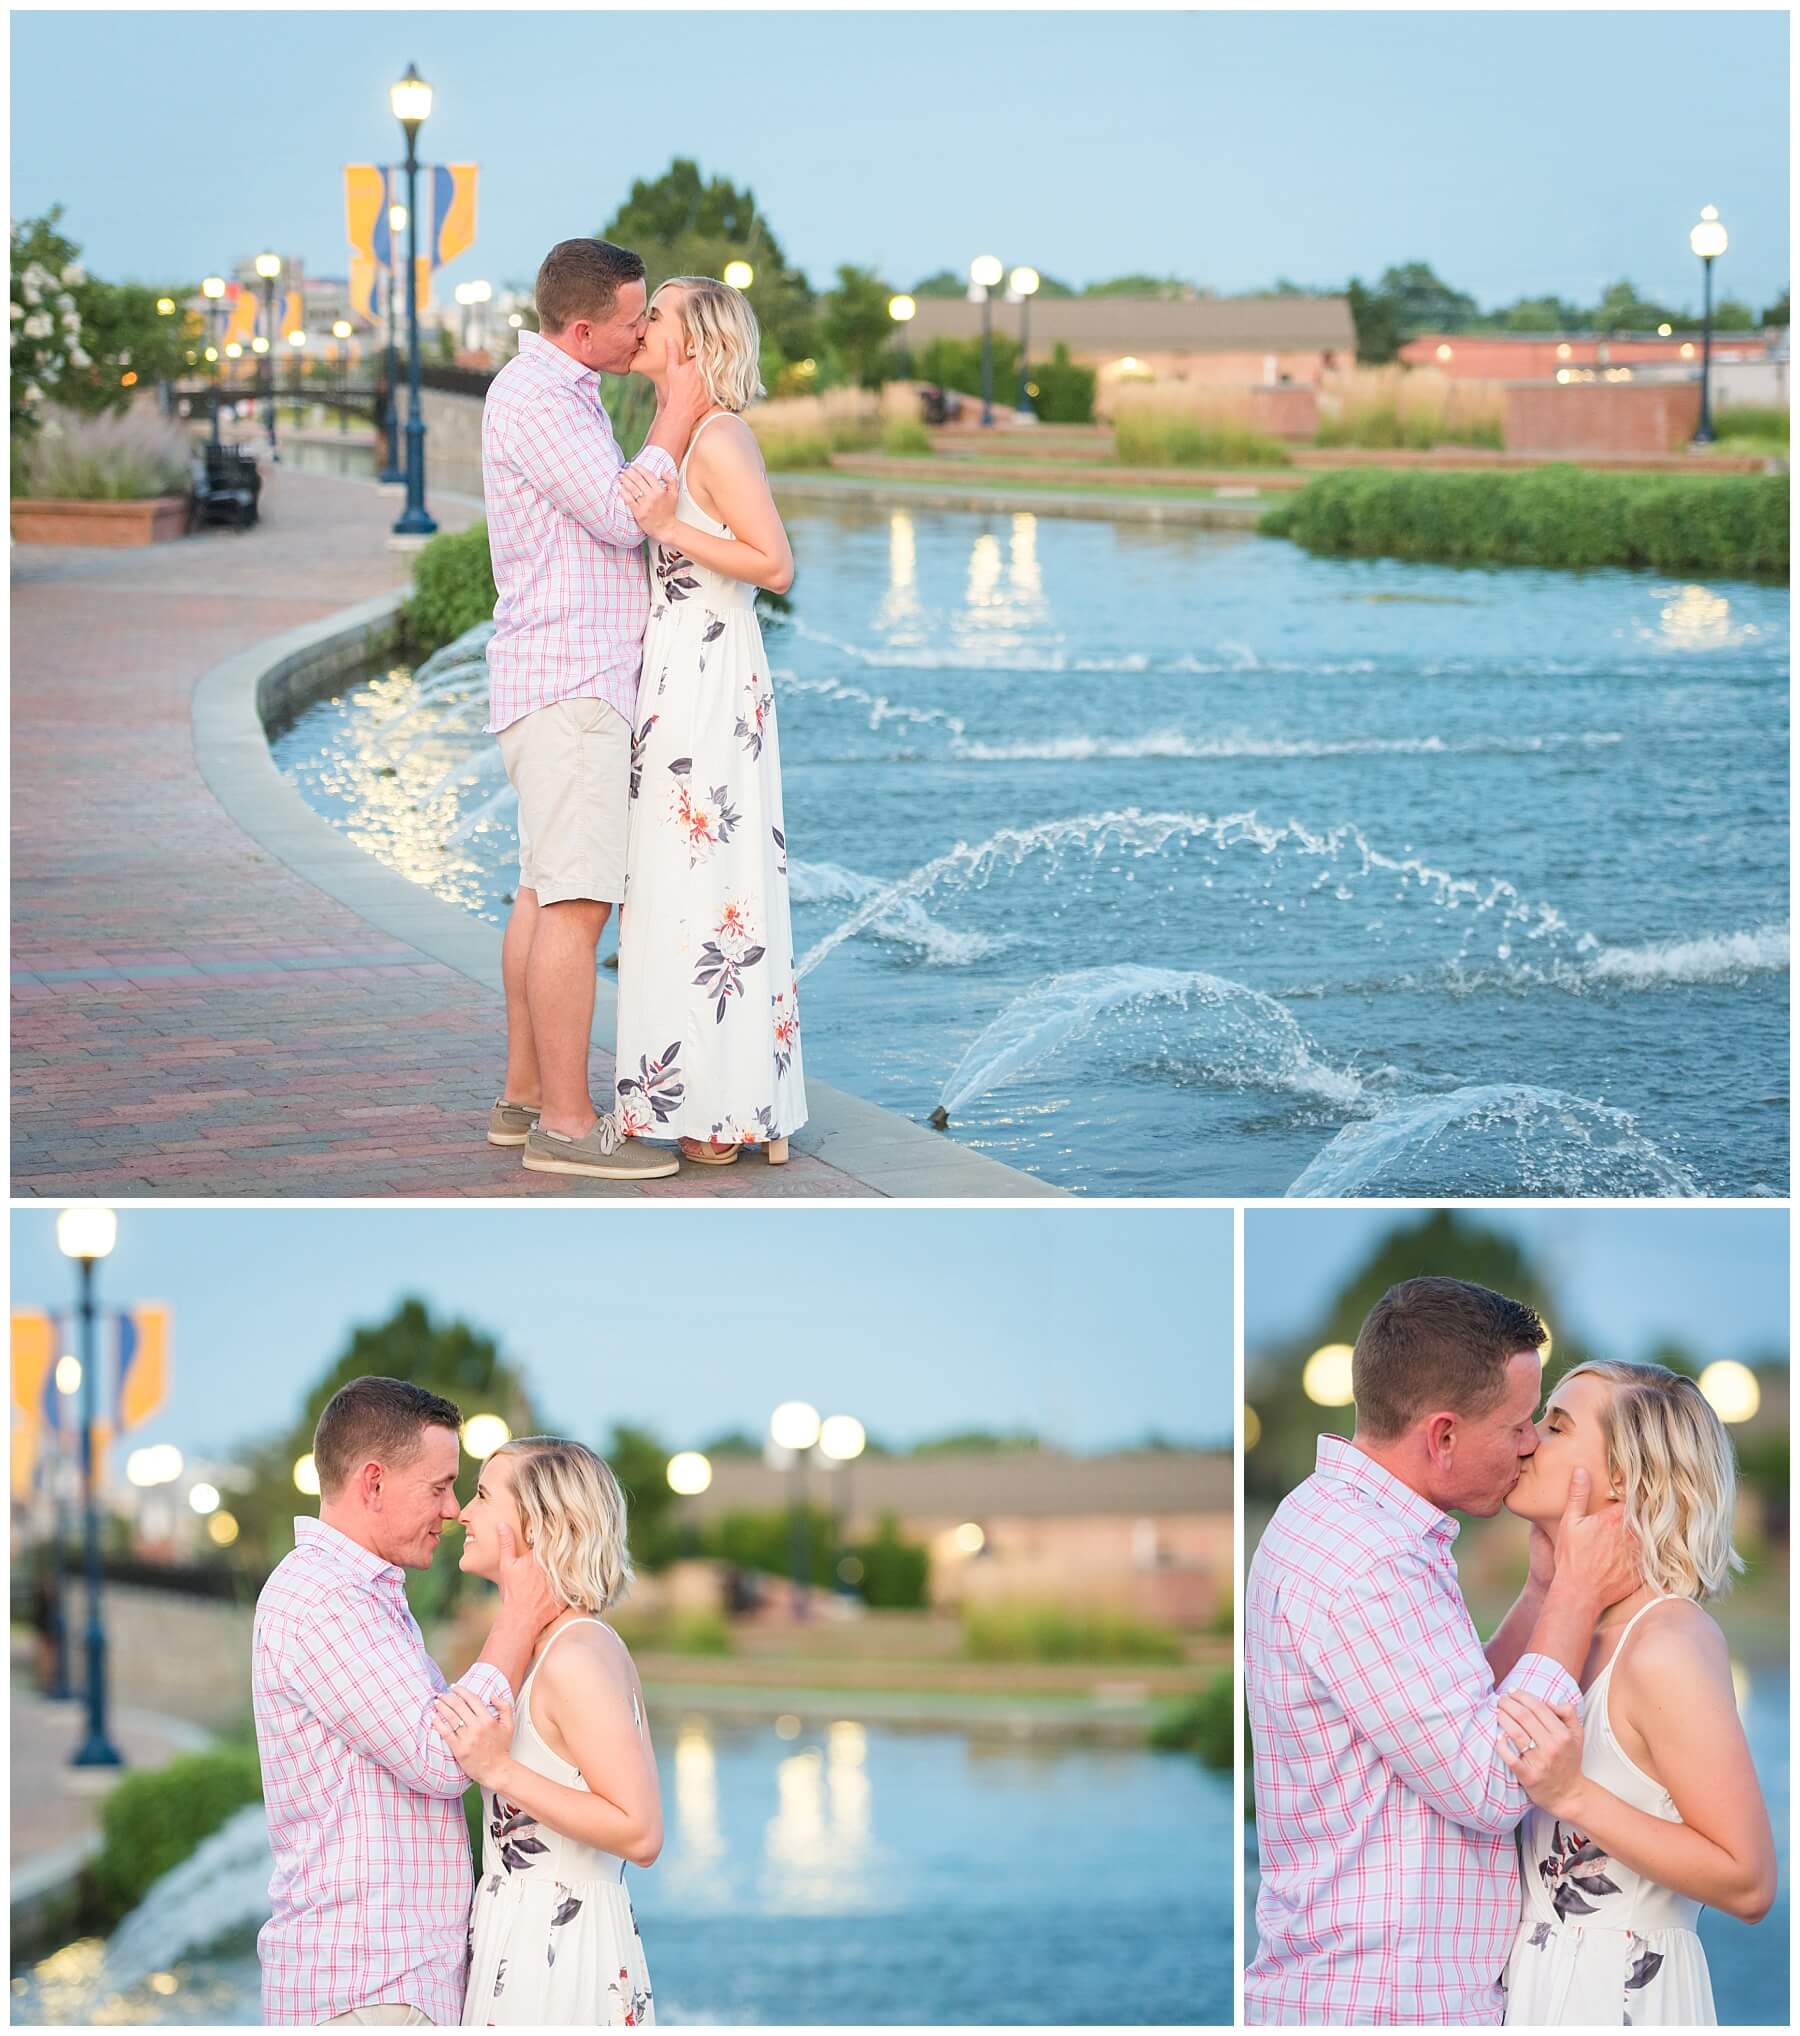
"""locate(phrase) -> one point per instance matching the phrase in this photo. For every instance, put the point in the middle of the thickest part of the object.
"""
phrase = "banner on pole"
(446, 226)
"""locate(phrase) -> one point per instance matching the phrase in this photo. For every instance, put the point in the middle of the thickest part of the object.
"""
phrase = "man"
(371, 1890)
(1385, 1812)
(563, 664)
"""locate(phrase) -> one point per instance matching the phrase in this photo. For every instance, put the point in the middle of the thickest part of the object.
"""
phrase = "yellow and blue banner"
(132, 1384)
(446, 226)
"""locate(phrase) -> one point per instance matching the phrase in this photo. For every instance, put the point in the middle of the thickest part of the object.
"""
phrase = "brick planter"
(1601, 417)
(105, 523)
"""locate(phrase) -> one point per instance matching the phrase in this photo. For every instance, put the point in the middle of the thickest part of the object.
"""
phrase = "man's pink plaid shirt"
(372, 1880)
(574, 590)
(1385, 1816)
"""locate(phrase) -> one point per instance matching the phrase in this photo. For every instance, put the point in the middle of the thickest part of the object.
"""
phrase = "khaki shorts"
(570, 764)
(395, 2013)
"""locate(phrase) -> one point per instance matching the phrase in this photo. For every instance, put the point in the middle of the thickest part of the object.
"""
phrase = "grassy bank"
(1565, 516)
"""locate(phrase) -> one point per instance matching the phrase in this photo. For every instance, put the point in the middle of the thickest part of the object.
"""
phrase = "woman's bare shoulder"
(1677, 1635)
(586, 1654)
(726, 443)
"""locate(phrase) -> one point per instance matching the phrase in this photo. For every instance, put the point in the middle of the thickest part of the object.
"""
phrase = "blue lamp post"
(212, 289)
(86, 1233)
(411, 101)
(393, 471)
(985, 272)
(1708, 240)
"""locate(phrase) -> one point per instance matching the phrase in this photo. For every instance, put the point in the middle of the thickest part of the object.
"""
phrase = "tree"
(854, 320)
(1424, 302)
(942, 283)
(1170, 289)
(1732, 314)
(1377, 322)
(1540, 314)
(684, 225)
(1777, 313)
(1621, 309)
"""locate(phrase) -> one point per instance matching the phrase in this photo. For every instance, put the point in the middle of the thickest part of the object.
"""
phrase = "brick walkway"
(190, 1017)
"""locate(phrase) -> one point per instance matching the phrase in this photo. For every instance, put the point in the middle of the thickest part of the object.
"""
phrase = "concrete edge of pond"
(247, 697)
(1094, 504)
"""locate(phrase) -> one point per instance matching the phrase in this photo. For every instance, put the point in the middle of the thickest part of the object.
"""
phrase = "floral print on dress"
(674, 574)
(637, 755)
(723, 959)
(785, 1005)
(511, 1830)
(750, 721)
(1567, 1888)
(654, 1093)
(633, 2002)
(706, 822)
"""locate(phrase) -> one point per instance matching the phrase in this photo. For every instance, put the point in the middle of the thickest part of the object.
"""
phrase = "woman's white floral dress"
(552, 1938)
(1600, 1945)
(709, 1021)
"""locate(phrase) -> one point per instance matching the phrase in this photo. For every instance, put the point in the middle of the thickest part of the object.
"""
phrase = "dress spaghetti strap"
(695, 439)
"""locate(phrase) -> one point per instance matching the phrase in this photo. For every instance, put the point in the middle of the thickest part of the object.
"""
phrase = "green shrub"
(1558, 515)
(1146, 437)
(896, 1573)
(453, 587)
(956, 364)
(698, 1633)
(786, 452)
(905, 438)
(1033, 1632)
(1381, 427)
(152, 1822)
(1065, 390)
(1200, 1724)
(1751, 420)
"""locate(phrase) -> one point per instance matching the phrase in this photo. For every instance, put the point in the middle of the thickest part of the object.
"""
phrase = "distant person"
(569, 1790)
(1386, 1805)
(370, 1894)
(563, 667)
(709, 1000)
(1655, 1810)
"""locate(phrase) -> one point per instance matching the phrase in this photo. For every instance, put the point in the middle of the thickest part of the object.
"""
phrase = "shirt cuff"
(655, 456)
(487, 1682)
(1536, 1675)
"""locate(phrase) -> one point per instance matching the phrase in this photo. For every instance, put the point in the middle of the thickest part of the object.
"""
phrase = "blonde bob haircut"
(1669, 1456)
(727, 344)
(573, 1513)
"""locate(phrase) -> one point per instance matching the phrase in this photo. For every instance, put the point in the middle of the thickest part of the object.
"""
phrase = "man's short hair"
(582, 279)
(380, 1419)
(1437, 1344)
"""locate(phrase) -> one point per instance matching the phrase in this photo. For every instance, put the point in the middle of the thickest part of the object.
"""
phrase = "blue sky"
(1715, 1279)
(1093, 1326)
(1521, 152)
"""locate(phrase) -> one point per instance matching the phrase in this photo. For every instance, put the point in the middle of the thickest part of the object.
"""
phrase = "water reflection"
(900, 610)
(819, 1845)
(696, 1863)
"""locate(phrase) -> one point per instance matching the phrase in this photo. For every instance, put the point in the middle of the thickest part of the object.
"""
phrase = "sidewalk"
(56, 1807)
(191, 1014)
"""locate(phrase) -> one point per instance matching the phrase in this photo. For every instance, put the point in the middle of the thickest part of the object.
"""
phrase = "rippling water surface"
(1172, 861)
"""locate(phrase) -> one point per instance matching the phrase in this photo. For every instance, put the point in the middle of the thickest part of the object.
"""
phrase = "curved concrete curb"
(240, 700)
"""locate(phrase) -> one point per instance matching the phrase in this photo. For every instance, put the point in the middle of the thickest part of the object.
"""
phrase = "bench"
(226, 487)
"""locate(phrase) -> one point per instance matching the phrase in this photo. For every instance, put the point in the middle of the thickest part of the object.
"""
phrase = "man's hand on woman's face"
(524, 1589)
(1594, 1552)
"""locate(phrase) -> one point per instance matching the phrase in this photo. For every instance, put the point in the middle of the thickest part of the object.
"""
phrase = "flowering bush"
(75, 338)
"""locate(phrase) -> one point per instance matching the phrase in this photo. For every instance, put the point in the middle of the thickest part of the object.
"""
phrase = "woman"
(709, 1026)
(569, 1793)
(1655, 1810)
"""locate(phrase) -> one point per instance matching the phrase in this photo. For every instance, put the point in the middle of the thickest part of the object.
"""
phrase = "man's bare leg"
(559, 995)
(524, 1084)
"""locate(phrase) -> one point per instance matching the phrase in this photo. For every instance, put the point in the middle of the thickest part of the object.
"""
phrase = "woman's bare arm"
(1674, 1688)
(585, 1699)
(728, 464)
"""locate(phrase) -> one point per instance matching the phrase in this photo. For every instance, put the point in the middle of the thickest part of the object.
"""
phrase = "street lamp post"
(1708, 240)
(842, 1439)
(86, 1233)
(297, 342)
(794, 1429)
(212, 288)
(268, 267)
(411, 101)
(340, 356)
(393, 471)
(985, 272)
(1024, 286)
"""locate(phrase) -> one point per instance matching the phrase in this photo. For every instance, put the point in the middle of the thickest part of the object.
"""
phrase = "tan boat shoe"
(509, 1122)
(605, 1154)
